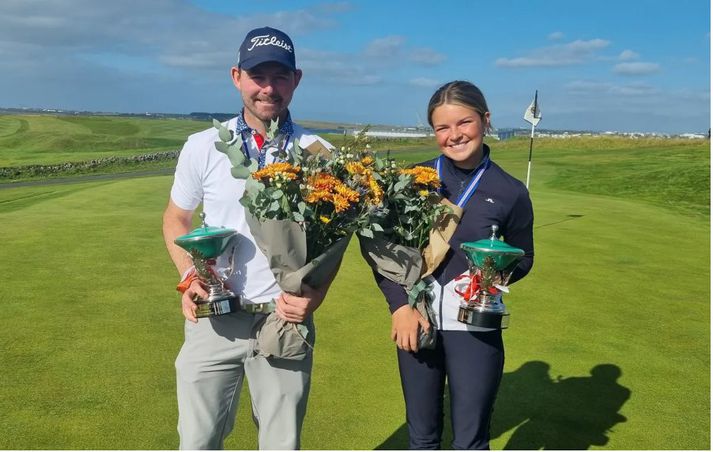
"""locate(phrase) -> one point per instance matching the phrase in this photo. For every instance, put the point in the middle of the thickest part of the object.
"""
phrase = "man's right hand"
(405, 323)
(188, 306)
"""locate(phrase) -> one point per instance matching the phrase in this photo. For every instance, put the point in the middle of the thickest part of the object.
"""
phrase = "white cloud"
(627, 55)
(424, 82)
(389, 46)
(555, 36)
(575, 52)
(174, 32)
(636, 68)
(594, 88)
(426, 56)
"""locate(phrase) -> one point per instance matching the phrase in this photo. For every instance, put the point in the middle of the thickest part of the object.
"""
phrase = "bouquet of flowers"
(416, 223)
(302, 211)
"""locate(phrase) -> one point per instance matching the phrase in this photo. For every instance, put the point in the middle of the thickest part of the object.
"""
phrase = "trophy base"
(484, 318)
(220, 306)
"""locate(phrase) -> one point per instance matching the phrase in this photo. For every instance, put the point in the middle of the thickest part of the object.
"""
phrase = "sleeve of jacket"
(518, 233)
(394, 293)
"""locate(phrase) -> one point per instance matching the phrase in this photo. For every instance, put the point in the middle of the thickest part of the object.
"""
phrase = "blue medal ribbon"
(474, 182)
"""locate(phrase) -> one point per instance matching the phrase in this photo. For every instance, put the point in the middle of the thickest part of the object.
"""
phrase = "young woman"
(468, 357)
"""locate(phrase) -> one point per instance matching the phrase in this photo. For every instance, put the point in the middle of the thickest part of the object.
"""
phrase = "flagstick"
(529, 159)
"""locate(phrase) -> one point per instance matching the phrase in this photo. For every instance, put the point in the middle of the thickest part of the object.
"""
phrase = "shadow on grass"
(572, 413)
(569, 218)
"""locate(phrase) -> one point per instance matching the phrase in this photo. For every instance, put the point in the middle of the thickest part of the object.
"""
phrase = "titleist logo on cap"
(267, 40)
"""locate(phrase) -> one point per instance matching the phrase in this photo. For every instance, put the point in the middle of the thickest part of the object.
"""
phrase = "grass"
(26, 140)
(609, 345)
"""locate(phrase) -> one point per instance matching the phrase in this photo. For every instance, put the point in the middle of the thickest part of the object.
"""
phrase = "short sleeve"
(187, 189)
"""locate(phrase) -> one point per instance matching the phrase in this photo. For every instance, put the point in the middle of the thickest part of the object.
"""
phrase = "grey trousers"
(218, 353)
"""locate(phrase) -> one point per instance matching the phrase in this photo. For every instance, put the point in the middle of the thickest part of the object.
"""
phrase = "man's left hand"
(296, 309)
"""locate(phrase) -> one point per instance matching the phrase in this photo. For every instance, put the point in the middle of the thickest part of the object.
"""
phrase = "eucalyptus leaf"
(298, 216)
(271, 131)
(246, 202)
(285, 204)
(366, 232)
(277, 194)
(225, 134)
(401, 184)
(274, 206)
(222, 146)
(297, 152)
(240, 172)
(376, 227)
(301, 207)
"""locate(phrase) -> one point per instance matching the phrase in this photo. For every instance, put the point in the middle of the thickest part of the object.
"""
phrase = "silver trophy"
(492, 262)
(204, 245)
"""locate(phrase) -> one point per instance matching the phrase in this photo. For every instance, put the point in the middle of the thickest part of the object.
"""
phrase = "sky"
(605, 65)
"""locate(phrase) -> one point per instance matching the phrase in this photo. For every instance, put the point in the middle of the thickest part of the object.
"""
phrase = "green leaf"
(366, 232)
(277, 194)
(297, 152)
(271, 131)
(240, 172)
(402, 183)
(274, 206)
(298, 216)
(252, 185)
(376, 227)
(253, 165)
(285, 205)
(235, 155)
(225, 134)
(222, 146)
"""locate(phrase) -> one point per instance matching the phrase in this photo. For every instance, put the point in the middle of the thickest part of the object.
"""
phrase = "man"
(220, 350)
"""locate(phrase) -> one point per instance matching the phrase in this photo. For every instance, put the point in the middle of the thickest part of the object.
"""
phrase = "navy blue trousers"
(473, 364)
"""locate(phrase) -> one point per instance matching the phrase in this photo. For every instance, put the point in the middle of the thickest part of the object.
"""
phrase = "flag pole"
(529, 158)
(533, 116)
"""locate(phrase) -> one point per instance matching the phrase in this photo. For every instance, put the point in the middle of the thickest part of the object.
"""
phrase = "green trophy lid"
(206, 241)
(502, 254)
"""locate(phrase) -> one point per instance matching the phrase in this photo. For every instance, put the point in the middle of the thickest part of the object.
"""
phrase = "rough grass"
(26, 140)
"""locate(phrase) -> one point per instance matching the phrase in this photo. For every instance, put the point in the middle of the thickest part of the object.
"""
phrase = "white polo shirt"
(203, 176)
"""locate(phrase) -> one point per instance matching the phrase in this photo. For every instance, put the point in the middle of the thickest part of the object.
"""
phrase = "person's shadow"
(572, 413)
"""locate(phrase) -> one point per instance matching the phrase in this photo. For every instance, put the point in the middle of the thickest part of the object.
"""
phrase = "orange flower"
(315, 196)
(274, 170)
(349, 194)
(355, 168)
(376, 194)
(423, 175)
(340, 203)
(322, 181)
(367, 160)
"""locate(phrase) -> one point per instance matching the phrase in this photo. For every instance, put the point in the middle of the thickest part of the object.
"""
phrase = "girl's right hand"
(405, 324)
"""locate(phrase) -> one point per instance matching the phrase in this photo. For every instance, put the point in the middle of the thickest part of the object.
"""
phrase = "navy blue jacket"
(501, 200)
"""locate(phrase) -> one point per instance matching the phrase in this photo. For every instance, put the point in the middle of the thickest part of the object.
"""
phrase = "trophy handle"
(232, 244)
